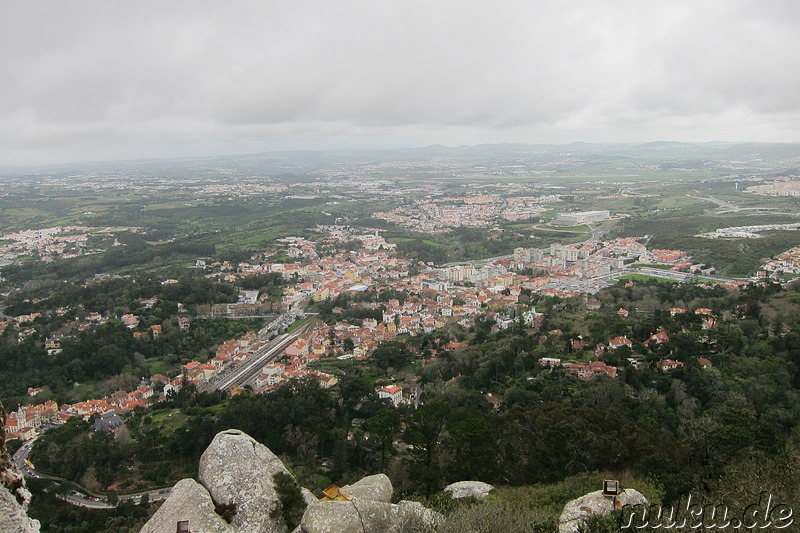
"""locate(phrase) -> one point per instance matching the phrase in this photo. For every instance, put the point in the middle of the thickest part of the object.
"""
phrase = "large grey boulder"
(377, 487)
(236, 478)
(237, 471)
(347, 517)
(13, 511)
(413, 516)
(188, 501)
(308, 496)
(363, 516)
(594, 503)
(468, 489)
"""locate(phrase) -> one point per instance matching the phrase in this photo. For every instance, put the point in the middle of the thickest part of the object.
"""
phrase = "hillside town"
(445, 213)
(433, 298)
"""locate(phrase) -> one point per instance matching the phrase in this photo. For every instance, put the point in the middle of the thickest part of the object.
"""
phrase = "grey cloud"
(182, 74)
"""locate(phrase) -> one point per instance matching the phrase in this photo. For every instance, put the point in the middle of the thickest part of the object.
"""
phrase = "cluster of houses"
(440, 295)
(437, 296)
(787, 262)
(444, 214)
(62, 242)
(490, 287)
(598, 368)
(291, 363)
(26, 421)
(24, 324)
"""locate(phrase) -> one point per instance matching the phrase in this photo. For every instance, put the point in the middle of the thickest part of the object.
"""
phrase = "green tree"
(423, 433)
(384, 426)
(290, 505)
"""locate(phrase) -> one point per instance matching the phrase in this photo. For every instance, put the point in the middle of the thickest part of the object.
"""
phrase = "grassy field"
(296, 324)
(398, 240)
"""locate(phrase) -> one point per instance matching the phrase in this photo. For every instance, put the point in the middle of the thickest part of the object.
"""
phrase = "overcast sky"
(101, 80)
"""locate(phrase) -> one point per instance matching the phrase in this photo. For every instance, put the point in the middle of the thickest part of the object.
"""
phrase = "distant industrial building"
(583, 217)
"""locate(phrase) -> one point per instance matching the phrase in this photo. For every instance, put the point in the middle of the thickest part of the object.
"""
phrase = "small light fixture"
(610, 487)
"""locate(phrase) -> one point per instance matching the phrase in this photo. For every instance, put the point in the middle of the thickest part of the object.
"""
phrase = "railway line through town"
(245, 371)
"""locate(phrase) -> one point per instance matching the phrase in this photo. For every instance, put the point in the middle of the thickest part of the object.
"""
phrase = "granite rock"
(373, 488)
(468, 489)
(594, 503)
(14, 496)
(188, 501)
(237, 471)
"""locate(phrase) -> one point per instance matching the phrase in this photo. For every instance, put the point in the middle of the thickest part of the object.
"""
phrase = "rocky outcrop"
(347, 517)
(308, 496)
(236, 481)
(364, 516)
(594, 503)
(235, 493)
(13, 514)
(413, 516)
(376, 488)
(468, 489)
(190, 501)
(14, 497)
(237, 471)
(368, 511)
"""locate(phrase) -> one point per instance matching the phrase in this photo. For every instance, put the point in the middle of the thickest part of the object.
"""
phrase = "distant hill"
(305, 161)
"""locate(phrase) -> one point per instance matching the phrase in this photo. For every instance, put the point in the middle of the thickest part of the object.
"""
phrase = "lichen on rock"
(14, 496)
(468, 489)
(188, 501)
(377, 488)
(593, 503)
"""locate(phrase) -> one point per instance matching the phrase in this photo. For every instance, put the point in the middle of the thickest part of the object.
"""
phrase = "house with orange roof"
(130, 320)
(704, 363)
(592, 369)
(142, 393)
(658, 338)
(393, 392)
(209, 371)
(619, 342)
(11, 427)
(668, 365)
(325, 380)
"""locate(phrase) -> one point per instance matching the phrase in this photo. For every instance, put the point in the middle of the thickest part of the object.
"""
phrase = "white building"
(582, 217)
(393, 392)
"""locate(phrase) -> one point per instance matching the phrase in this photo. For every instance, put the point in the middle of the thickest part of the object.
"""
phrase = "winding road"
(82, 499)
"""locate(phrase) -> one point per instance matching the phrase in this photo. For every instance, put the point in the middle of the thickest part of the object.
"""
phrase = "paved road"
(721, 203)
(729, 207)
